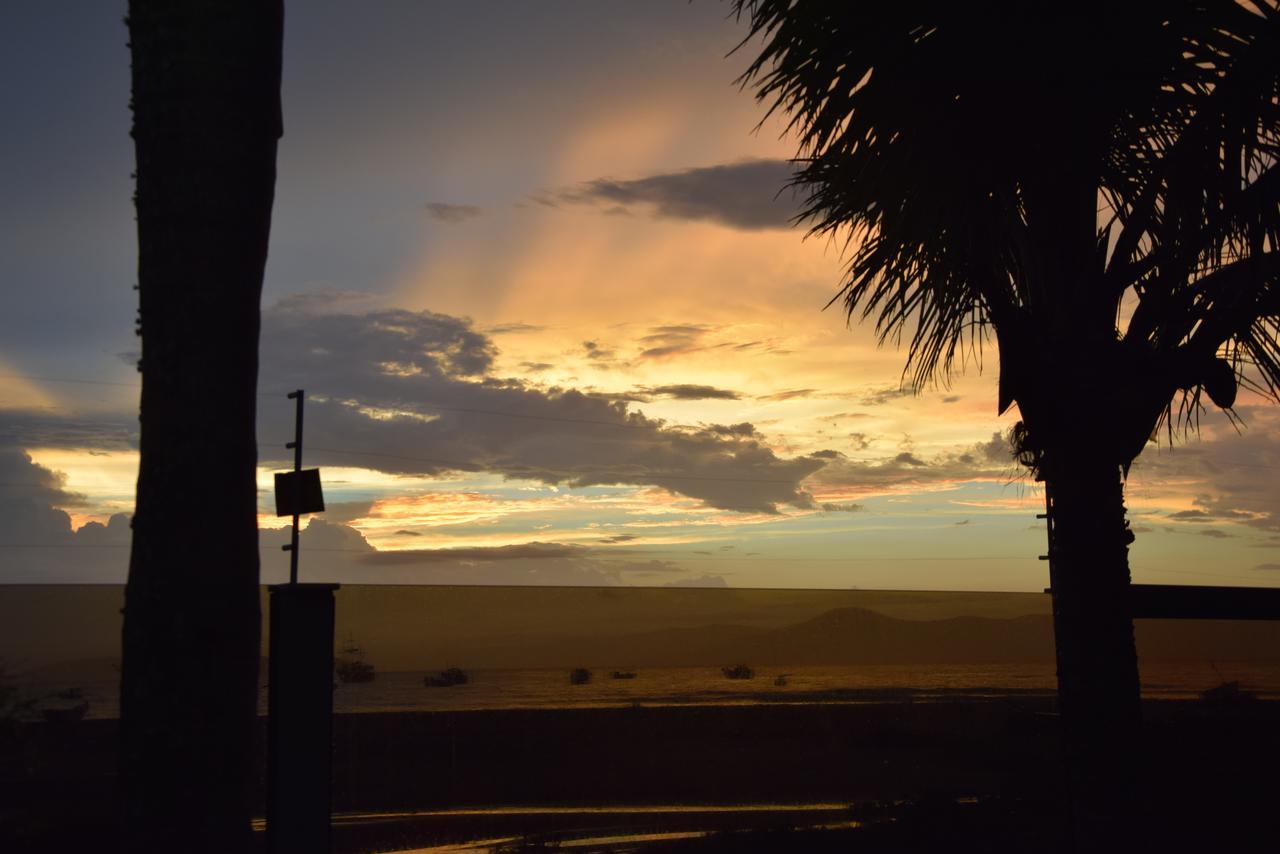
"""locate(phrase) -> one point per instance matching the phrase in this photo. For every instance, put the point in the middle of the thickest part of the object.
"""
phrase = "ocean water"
(673, 686)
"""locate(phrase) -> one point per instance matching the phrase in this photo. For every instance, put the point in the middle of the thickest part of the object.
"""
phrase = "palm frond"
(962, 149)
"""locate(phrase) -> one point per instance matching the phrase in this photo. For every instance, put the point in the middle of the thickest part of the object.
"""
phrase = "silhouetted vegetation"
(1094, 184)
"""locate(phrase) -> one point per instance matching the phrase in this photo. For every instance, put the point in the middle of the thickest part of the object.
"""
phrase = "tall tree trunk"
(206, 120)
(1098, 687)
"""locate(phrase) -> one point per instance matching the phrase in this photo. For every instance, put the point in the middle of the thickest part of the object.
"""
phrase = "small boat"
(781, 680)
(622, 674)
(738, 671)
(351, 666)
(65, 714)
(447, 678)
(579, 676)
(1227, 694)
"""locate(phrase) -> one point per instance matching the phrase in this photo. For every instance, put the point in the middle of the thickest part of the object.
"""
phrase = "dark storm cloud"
(744, 428)
(28, 493)
(1192, 516)
(413, 393)
(973, 463)
(788, 395)
(859, 441)
(452, 214)
(881, 396)
(36, 539)
(997, 450)
(53, 428)
(663, 342)
(596, 353)
(748, 195)
(340, 553)
(687, 391)
(352, 350)
(512, 328)
(341, 511)
(1237, 470)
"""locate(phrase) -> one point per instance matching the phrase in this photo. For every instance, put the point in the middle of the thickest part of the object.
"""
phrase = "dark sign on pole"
(298, 492)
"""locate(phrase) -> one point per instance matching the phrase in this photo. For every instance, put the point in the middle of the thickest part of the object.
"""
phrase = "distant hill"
(845, 636)
(860, 636)
(839, 636)
(419, 628)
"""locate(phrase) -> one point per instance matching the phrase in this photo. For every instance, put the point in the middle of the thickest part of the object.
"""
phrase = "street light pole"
(296, 444)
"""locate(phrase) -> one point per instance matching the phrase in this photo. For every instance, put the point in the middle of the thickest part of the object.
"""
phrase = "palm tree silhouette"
(206, 119)
(1096, 184)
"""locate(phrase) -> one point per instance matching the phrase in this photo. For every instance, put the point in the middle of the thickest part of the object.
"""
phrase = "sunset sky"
(533, 264)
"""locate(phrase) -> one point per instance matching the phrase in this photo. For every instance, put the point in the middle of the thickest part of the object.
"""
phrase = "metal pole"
(300, 698)
(296, 445)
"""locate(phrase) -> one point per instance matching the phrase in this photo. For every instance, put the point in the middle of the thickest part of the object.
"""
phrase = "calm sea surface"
(667, 686)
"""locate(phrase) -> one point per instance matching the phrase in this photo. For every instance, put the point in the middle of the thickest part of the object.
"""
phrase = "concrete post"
(300, 719)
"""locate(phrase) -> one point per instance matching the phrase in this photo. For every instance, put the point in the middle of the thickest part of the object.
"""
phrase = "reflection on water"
(676, 686)
(622, 824)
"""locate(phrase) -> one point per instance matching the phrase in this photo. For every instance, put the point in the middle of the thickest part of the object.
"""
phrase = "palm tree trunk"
(206, 86)
(1098, 687)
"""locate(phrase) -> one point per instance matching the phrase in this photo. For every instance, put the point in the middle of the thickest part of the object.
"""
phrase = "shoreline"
(546, 764)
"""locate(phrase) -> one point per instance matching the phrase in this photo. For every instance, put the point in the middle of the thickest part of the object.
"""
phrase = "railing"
(473, 702)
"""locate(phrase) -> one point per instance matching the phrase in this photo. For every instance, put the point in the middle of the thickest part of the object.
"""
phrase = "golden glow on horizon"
(107, 479)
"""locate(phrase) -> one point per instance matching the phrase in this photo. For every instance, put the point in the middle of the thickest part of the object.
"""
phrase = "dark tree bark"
(1098, 685)
(206, 120)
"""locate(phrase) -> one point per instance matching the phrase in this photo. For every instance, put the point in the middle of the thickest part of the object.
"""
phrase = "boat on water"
(738, 671)
(446, 678)
(623, 674)
(351, 666)
(60, 712)
(781, 680)
(1227, 694)
(65, 714)
(579, 676)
